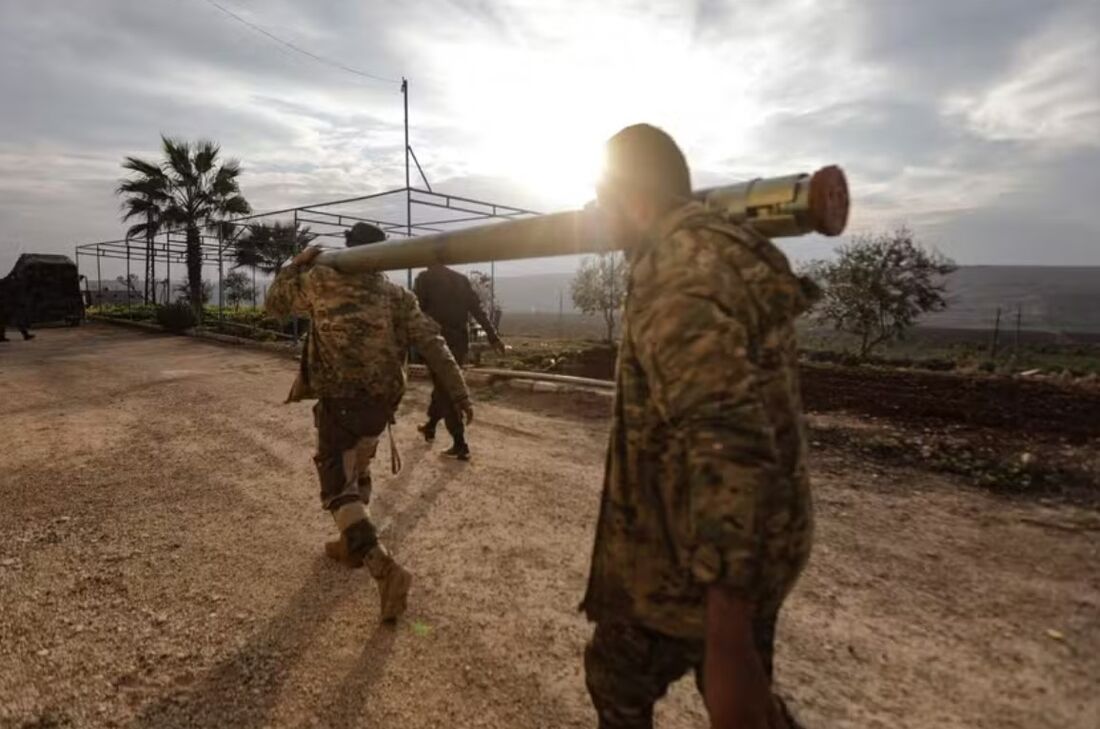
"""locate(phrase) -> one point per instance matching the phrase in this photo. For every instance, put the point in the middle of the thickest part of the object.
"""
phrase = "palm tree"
(268, 248)
(145, 196)
(201, 193)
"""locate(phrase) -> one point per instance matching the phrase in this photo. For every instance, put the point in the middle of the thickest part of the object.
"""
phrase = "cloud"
(1048, 92)
(975, 122)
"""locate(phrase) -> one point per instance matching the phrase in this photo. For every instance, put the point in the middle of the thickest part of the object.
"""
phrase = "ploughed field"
(161, 565)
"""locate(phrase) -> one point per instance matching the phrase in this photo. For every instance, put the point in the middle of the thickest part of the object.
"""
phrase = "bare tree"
(878, 285)
(129, 282)
(483, 287)
(600, 288)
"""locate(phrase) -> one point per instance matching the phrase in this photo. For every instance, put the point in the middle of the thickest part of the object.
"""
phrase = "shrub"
(177, 317)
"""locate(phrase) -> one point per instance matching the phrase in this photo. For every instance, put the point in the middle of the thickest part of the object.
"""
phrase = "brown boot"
(337, 549)
(393, 583)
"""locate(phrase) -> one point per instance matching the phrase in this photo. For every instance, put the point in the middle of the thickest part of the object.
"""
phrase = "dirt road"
(160, 566)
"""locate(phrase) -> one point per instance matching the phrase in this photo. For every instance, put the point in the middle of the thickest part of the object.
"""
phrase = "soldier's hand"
(467, 410)
(736, 690)
(500, 347)
(306, 257)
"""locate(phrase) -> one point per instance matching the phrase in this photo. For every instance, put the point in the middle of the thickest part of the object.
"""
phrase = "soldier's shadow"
(243, 690)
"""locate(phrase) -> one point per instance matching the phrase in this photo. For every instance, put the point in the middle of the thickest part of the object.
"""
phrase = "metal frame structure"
(327, 220)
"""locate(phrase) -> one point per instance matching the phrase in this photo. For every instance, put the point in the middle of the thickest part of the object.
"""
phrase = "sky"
(974, 122)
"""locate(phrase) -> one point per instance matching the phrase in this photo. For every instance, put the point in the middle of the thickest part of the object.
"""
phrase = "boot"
(338, 550)
(461, 451)
(393, 583)
(427, 430)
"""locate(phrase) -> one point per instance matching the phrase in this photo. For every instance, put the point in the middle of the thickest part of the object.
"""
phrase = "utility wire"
(298, 49)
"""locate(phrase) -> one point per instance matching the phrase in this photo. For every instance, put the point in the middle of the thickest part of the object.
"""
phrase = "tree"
(238, 288)
(268, 248)
(483, 287)
(878, 285)
(145, 195)
(130, 282)
(202, 193)
(600, 288)
(206, 292)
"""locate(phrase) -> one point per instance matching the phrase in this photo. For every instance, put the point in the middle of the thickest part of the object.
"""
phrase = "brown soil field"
(161, 564)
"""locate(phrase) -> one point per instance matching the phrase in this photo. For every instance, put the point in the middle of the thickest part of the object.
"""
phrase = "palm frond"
(206, 152)
(178, 162)
(140, 166)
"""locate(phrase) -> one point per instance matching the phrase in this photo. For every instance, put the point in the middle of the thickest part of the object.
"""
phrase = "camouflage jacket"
(706, 479)
(361, 326)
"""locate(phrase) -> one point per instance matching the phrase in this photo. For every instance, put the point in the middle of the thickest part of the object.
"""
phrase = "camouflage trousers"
(348, 430)
(628, 667)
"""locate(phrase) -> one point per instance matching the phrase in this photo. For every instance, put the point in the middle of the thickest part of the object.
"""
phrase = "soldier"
(448, 297)
(361, 326)
(13, 304)
(705, 521)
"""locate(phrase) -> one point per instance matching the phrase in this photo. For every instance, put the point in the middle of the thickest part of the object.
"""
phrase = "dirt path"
(160, 566)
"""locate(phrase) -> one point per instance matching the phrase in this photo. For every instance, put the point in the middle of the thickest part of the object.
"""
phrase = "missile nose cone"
(829, 200)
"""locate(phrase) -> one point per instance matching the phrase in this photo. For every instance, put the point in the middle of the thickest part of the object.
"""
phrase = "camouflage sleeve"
(424, 335)
(288, 293)
(690, 326)
(473, 306)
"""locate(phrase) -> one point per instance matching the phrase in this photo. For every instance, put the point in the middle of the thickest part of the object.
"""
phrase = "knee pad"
(361, 538)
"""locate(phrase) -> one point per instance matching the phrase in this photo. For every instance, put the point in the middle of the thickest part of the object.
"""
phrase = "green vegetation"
(177, 317)
(964, 350)
(267, 248)
(191, 189)
(877, 287)
(248, 322)
(600, 288)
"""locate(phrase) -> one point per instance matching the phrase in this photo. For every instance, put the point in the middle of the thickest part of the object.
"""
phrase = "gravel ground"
(161, 566)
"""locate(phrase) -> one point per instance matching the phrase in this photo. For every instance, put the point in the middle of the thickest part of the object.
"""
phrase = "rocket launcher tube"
(777, 207)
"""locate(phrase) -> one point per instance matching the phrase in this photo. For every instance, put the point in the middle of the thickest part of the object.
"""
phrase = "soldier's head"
(362, 234)
(645, 176)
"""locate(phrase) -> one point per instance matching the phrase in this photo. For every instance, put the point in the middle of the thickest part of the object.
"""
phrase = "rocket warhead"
(777, 207)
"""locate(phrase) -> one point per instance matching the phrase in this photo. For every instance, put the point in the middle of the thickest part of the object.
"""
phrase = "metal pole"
(221, 277)
(294, 319)
(408, 185)
(492, 289)
(150, 256)
(561, 313)
(127, 275)
(167, 271)
(99, 276)
(996, 334)
(1016, 343)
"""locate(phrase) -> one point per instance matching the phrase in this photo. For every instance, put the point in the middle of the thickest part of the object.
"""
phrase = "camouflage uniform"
(361, 327)
(706, 480)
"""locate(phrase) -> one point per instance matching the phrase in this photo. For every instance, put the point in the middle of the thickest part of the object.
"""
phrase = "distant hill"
(1051, 298)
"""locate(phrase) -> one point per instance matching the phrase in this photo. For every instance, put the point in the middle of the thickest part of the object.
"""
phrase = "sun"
(539, 113)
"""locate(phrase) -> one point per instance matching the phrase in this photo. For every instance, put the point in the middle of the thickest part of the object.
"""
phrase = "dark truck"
(48, 286)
